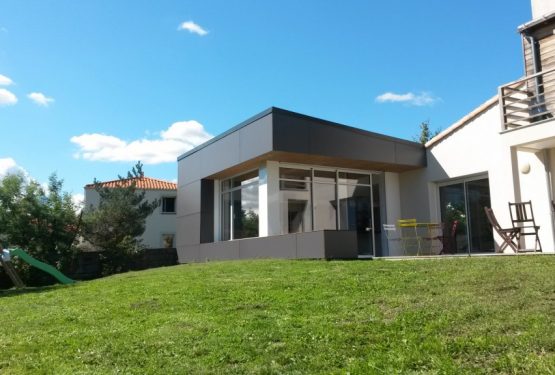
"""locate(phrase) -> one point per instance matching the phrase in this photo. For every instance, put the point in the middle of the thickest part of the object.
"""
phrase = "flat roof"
(272, 110)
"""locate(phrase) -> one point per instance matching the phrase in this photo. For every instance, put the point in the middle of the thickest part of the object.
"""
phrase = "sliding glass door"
(329, 199)
(466, 228)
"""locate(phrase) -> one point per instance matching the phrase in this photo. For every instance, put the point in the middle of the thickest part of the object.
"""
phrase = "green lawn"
(463, 315)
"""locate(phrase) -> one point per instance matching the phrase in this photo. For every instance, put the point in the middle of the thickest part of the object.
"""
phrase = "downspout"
(536, 62)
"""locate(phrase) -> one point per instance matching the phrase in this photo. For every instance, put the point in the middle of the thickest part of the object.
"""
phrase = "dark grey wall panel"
(188, 201)
(307, 135)
(291, 135)
(410, 155)
(341, 244)
(255, 139)
(207, 211)
(335, 142)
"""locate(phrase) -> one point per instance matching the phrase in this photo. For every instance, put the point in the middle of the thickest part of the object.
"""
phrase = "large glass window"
(462, 212)
(320, 199)
(239, 217)
(295, 197)
(325, 206)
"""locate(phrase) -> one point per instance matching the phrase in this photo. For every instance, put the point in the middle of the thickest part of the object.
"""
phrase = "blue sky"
(89, 87)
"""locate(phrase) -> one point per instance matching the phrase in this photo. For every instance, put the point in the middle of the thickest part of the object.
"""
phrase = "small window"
(168, 205)
(168, 240)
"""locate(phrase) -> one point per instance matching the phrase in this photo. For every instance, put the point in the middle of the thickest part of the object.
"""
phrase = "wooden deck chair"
(508, 235)
(522, 217)
(409, 235)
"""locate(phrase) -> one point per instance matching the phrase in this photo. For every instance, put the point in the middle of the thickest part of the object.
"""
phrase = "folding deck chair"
(508, 235)
(522, 217)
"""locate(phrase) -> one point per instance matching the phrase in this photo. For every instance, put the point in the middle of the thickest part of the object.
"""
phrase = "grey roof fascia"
(538, 21)
(227, 132)
(346, 127)
(298, 115)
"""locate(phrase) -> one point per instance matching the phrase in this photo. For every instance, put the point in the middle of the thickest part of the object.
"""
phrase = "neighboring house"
(287, 185)
(160, 225)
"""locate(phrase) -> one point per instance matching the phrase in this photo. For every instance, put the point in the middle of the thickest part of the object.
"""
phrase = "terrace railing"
(528, 100)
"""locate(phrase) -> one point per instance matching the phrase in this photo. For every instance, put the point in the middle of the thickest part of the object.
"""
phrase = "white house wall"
(157, 223)
(477, 149)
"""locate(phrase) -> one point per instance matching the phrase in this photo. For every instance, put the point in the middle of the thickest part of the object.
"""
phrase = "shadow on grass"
(29, 289)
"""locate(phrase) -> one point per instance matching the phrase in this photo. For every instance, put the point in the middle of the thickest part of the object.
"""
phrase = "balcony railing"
(528, 100)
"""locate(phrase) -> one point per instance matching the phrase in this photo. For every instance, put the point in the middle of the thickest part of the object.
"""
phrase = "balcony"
(528, 100)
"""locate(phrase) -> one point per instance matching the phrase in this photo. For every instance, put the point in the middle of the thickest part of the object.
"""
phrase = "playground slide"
(41, 266)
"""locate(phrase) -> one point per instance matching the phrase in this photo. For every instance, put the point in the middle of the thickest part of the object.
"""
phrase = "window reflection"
(240, 207)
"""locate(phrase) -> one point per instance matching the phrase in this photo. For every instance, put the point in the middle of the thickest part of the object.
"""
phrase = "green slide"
(41, 266)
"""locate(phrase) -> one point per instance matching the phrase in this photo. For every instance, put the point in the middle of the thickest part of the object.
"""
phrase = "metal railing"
(528, 100)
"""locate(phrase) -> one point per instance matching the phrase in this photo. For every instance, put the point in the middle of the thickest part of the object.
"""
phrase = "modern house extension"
(287, 185)
(282, 184)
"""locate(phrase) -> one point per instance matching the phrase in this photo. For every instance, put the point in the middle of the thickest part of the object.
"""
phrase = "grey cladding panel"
(188, 169)
(268, 247)
(256, 138)
(291, 134)
(220, 155)
(310, 245)
(189, 199)
(188, 230)
(207, 211)
(219, 250)
(188, 254)
(407, 154)
(336, 142)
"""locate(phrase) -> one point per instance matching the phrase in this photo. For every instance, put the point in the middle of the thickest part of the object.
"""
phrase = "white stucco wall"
(157, 223)
(474, 149)
(542, 7)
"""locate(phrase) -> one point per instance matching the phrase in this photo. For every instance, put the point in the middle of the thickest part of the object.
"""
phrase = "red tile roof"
(146, 183)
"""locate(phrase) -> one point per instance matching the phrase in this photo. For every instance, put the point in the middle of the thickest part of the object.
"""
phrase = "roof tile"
(146, 183)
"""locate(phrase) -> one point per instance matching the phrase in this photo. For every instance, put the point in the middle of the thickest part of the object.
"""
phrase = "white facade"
(475, 148)
(542, 7)
(160, 227)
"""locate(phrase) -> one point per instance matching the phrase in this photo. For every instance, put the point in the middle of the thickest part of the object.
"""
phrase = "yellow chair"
(408, 229)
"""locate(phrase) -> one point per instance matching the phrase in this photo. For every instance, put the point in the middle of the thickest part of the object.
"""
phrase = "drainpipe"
(535, 60)
(536, 64)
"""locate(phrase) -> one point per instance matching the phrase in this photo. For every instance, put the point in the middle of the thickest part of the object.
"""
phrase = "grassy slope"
(450, 315)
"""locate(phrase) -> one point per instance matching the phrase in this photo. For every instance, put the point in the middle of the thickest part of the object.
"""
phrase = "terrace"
(527, 101)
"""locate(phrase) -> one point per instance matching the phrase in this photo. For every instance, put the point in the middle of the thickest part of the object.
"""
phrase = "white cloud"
(9, 166)
(410, 98)
(78, 200)
(177, 139)
(40, 99)
(7, 98)
(5, 81)
(192, 28)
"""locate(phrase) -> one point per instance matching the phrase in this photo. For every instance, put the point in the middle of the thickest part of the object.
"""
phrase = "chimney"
(542, 8)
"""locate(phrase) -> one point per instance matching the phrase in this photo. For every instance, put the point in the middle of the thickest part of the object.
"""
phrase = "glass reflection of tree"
(249, 223)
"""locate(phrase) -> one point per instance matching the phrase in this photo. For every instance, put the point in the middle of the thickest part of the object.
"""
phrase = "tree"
(119, 220)
(425, 133)
(41, 221)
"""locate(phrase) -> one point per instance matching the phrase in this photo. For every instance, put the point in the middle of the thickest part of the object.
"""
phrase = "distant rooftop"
(145, 183)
